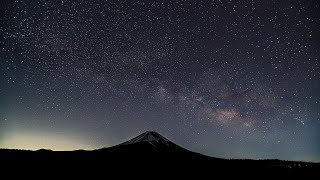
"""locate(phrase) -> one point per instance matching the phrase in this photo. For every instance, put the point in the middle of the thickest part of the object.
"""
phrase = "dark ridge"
(147, 153)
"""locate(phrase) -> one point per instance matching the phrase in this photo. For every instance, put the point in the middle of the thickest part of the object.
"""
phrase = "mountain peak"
(150, 137)
(151, 133)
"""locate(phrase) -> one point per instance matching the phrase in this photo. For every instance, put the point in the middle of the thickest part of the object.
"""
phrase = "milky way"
(232, 79)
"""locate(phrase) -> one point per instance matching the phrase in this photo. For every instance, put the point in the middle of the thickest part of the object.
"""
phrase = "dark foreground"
(152, 159)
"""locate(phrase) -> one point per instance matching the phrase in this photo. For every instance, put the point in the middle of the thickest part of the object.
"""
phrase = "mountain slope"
(151, 146)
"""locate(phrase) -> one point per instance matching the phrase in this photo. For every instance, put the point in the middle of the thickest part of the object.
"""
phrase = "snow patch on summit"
(150, 137)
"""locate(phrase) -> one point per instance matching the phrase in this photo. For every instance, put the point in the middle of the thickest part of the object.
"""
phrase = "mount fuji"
(151, 146)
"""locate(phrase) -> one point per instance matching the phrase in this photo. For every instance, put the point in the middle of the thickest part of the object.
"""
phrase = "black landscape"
(151, 153)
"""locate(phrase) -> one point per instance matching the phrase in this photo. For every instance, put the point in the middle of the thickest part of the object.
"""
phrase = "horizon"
(88, 149)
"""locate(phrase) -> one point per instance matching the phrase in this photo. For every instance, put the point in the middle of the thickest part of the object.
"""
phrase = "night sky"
(227, 78)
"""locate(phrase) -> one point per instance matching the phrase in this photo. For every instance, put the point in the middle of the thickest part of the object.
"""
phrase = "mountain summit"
(151, 137)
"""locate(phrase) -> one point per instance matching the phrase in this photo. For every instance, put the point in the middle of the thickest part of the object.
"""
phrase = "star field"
(227, 78)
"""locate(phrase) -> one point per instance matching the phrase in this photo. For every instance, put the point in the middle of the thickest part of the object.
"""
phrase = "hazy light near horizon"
(30, 141)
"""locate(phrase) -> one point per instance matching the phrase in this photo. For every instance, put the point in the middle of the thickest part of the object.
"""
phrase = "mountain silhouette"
(149, 152)
(150, 147)
(153, 141)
